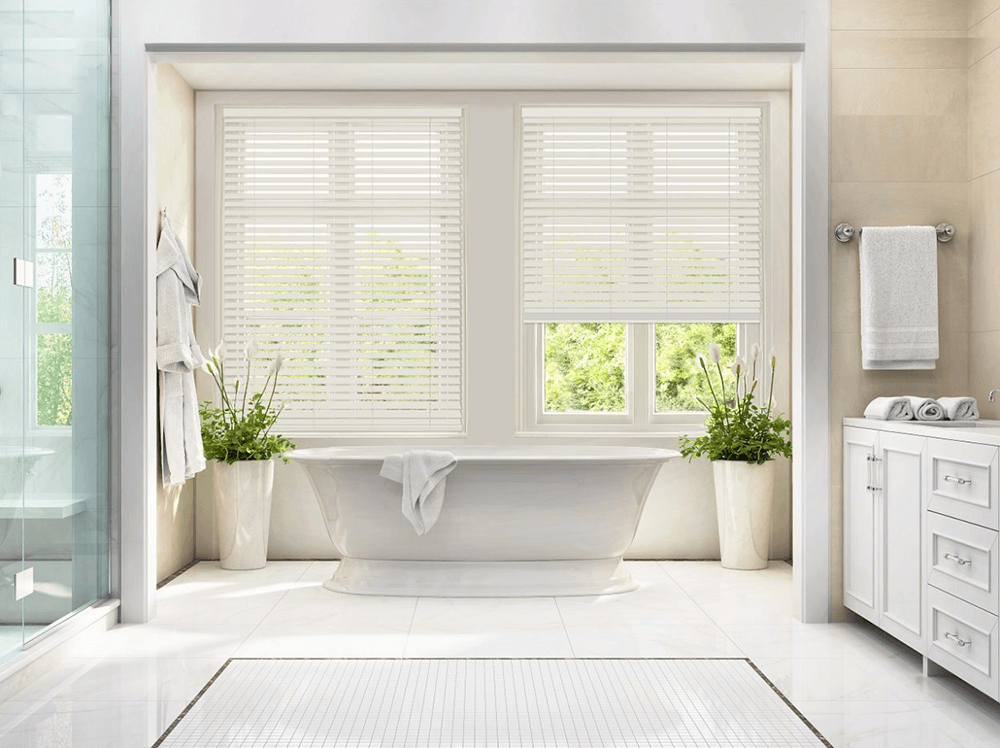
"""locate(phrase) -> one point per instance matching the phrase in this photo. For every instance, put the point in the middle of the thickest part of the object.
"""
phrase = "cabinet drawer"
(963, 560)
(963, 639)
(963, 481)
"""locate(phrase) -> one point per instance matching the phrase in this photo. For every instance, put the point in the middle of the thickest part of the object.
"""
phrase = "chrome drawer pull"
(957, 639)
(959, 481)
(958, 559)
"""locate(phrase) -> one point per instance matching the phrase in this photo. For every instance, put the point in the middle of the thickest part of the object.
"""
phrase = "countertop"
(980, 432)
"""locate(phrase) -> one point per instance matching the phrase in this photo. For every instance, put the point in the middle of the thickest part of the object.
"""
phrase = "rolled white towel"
(926, 409)
(959, 408)
(889, 409)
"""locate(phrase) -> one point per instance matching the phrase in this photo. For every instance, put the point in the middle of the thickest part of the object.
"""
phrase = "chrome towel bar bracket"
(845, 232)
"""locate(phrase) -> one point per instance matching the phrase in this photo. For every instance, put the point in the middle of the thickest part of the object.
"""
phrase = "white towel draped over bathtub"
(422, 473)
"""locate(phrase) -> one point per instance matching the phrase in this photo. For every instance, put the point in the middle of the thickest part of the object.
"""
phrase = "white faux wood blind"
(342, 247)
(641, 214)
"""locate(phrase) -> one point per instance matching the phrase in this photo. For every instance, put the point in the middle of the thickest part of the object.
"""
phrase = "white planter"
(744, 495)
(243, 512)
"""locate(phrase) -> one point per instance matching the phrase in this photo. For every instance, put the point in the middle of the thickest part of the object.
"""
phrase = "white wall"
(146, 25)
(175, 191)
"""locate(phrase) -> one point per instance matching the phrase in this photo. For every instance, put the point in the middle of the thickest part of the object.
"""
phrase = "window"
(642, 235)
(53, 324)
(342, 246)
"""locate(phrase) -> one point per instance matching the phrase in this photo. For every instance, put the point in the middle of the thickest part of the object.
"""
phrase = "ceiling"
(484, 71)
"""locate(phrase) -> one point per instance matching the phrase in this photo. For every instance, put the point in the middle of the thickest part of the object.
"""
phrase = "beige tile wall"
(175, 191)
(900, 142)
(984, 200)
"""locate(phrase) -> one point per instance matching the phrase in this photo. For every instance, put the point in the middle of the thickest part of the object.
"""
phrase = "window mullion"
(640, 371)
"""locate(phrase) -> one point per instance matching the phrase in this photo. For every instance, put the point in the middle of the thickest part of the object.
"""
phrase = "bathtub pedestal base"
(481, 578)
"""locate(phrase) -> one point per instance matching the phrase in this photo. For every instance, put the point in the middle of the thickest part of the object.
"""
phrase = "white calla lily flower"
(276, 365)
(714, 353)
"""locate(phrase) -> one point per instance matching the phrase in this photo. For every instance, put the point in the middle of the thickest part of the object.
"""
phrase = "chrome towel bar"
(845, 232)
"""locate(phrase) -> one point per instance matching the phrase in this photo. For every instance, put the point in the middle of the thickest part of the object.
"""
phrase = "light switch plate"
(24, 583)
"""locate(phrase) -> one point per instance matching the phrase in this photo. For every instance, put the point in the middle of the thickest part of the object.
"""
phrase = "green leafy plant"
(241, 428)
(738, 427)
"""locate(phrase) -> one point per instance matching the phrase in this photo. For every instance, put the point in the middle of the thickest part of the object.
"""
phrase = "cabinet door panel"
(860, 591)
(899, 491)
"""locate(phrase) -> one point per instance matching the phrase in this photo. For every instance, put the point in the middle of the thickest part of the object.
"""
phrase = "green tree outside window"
(585, 365)
(54, 300)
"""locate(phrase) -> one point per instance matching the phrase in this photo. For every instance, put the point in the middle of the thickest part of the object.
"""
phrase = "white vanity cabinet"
(921, 541)
(883, 516)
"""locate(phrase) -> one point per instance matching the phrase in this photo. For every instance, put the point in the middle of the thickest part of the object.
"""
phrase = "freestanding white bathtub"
(516, 522)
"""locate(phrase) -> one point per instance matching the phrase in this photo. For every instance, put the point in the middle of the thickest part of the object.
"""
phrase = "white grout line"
(562, 620)
(409, 629)
(697, 605)
(235, 652)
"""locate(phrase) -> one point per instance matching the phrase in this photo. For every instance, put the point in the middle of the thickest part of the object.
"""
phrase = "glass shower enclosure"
(54, 312)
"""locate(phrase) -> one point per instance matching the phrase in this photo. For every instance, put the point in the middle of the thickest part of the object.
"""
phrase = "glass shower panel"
(56, 119)
(14, 301)
(67, 110)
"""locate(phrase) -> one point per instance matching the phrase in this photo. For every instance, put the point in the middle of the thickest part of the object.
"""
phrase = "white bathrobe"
(178, 288)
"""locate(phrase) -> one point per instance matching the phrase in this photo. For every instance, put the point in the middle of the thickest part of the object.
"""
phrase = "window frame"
(494, 374)
(641, 417)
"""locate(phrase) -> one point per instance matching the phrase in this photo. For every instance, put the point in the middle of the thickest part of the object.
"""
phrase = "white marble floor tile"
(218, 602)
(117, 679)
(737, 598)
(859, 686)
(976, 715)
(623, 639)
(85, 724)
(312, 621)
(798, 640)
(189, 639)
(666, 607)
(207, 592)
(856, 679)
(646, 570)
(274, 572)
(319, 571)
(891, 724)
(487, 627)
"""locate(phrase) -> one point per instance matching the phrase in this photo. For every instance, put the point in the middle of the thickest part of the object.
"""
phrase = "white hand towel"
(422, 473)
(899, 303)
(926, 409)
(959, 408)
(889, 409)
